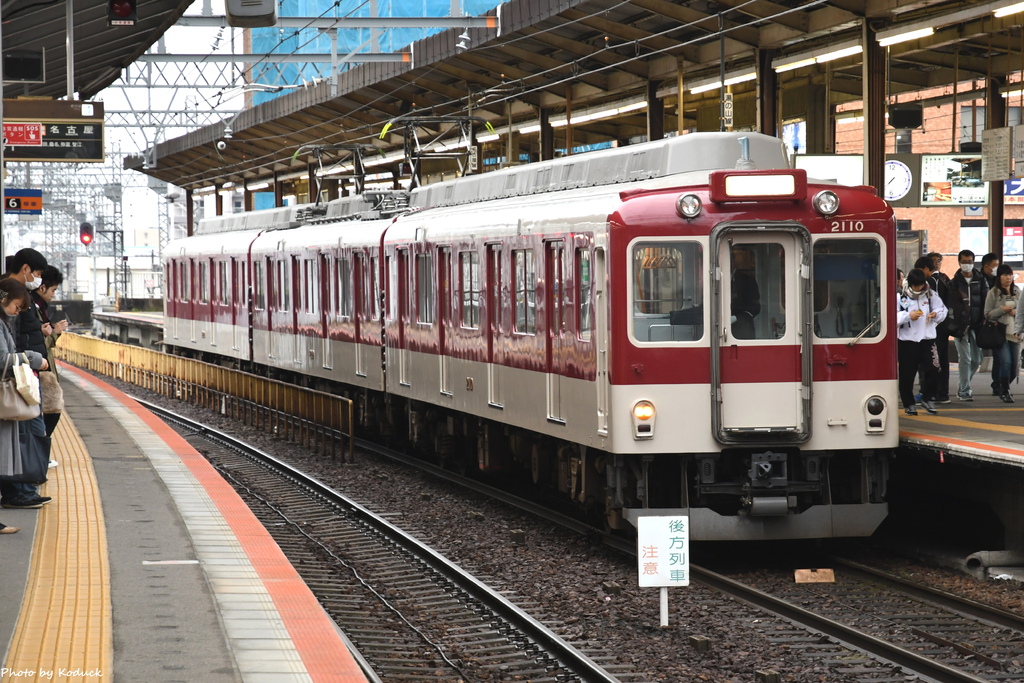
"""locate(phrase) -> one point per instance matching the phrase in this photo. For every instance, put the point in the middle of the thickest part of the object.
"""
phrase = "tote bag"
(13, 405)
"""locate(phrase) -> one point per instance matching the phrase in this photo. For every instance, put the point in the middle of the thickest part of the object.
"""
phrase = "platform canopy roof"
(100, 51)
(544, 57)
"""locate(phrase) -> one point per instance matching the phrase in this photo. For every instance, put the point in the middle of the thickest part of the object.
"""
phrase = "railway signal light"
(122, 12)
(85, 233)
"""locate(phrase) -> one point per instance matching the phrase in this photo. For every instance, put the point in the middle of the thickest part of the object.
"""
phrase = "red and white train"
(687, 326)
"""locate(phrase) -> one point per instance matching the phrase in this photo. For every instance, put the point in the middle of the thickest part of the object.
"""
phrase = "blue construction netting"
(288, 41)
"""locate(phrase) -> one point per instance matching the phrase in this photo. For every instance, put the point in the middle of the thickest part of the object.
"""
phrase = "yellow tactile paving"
(64, 631)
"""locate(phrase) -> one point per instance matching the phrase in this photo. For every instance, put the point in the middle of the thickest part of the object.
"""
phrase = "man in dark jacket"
(969, 291)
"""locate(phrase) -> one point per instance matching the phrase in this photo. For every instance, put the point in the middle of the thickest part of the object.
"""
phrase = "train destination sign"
(68, 131)
(23, 202)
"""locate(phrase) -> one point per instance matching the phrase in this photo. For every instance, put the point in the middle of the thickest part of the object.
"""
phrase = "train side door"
(300, 286)
(556, 324)
(495, 350)
(238, 299)
(192, 294)
(402, 292)
(444, 318)
(761, 346)
(328, 307)
(362, 308)
(600, 317)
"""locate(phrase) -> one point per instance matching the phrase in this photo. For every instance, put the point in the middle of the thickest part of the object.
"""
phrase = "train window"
(222, 282)
(344, 288)
(584, 323)
(424, 288)
(283, 287)
(469, 278)
(847, 289)
(494, 286)
(668, 291)
(525, 292)
(204, 283)
(258, 287)
(757, 285)
(374, 290)
(186, 280)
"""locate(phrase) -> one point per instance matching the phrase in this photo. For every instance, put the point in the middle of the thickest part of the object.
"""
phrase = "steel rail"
(564, 653)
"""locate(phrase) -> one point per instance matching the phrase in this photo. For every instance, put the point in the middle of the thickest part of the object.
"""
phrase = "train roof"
(693, 153)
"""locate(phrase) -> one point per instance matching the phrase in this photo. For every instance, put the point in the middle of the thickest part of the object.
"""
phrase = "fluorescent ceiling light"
(794, 65)
(838, 54)
(904, 37)
(531, 128)
(257, 186)
(716, 84)
(1012, 9)
(487, 138)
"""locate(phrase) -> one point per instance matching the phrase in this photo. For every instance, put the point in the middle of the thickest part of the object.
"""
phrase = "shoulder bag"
(13, 405)
(27, 382)
(990, 335)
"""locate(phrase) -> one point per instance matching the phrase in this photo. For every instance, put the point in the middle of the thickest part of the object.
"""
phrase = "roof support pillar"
(278, 192)
(547, 136)
(190, 212)
(996, 114)
(768, 94)
(314, 190)
(655, 113)
(873, 89)
(218, 199)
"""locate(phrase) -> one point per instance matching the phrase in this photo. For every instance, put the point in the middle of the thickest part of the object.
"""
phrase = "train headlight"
(689, 205)
(826, 202)
(875, 414)
(643, 420)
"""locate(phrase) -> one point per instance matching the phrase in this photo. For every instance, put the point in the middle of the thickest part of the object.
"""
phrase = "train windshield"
(668, 291)
(847, 288)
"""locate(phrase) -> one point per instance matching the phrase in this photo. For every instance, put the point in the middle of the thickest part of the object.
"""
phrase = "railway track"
(930, 636)
(409, 612)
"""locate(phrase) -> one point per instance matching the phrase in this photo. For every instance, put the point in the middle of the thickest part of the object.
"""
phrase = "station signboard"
(69, 131)
(23, 202)
(952, 180)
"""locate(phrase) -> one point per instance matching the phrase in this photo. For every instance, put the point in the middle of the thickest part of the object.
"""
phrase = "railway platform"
(140, 328)
(147, 566)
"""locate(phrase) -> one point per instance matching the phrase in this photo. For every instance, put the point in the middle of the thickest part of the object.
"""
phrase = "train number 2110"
(847, 226)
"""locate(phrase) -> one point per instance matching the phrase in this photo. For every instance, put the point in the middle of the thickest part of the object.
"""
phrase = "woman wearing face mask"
(13, 298)
(918, 311)
(1001, 307)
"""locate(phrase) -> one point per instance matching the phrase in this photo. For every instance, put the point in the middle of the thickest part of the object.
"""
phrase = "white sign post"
(663, 555)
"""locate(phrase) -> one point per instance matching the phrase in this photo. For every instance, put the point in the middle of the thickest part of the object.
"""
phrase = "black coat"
(969, 310)
(29, 331)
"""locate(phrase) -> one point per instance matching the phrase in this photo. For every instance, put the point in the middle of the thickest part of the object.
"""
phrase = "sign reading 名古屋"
(24, 202)
(69, 131)
(663, 551)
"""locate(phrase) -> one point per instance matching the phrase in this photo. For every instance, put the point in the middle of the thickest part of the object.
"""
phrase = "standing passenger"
(26, 268)
(918, 311)
(13, 298)
(969, 292)
(1001, 307)
(48, 332)
(939, 287)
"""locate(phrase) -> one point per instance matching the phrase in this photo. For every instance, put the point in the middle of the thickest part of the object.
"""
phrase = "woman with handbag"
(1001, 310)
(14, 298)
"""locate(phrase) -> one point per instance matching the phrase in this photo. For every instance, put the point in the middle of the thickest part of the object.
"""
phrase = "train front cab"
(791, 325)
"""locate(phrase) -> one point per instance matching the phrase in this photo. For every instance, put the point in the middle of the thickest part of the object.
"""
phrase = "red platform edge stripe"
(315, 635)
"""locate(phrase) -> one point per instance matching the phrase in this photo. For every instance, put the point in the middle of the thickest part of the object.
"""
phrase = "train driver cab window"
(847, 289)
(668, 291)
